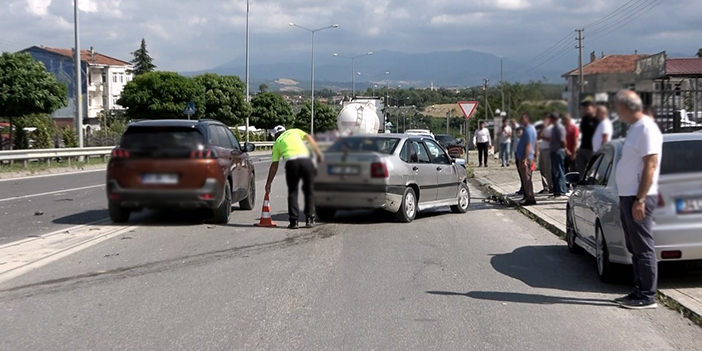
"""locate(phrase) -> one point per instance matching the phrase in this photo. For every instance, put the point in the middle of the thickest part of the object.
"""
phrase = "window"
(114, 77)
(437, 153)
(224, 140)
(213, 135)
(589, 178)
(605, 167)
(115, 98)
(418, 153)
(365, 144)
(681, 157)
(161, 138)
(405, 153)
(232, 138)
(121, 77)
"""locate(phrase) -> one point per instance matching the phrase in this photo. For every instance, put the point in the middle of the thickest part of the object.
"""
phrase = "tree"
(26, 87)
(224, 98)
(142, 62)
(69, 137)
(270, 110)
(324, 118)
(699, 53)
(263, 88)
(162, 95)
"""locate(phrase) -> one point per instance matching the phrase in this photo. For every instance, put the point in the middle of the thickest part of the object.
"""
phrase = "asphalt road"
(486, 280)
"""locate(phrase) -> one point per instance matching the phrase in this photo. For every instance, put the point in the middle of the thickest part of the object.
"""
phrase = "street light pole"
(313, 31)
(248, 96)
(353, 69)
(78, 87)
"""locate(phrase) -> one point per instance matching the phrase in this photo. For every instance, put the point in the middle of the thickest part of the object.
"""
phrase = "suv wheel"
(463, 200)
(325, 213)
(221, 213)
(249, 202)
(118, 214)
(408, 209)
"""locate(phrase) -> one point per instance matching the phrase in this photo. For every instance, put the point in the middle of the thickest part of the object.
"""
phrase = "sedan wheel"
(571, 234)
(463, 200)
(605, 268)
(408, 209)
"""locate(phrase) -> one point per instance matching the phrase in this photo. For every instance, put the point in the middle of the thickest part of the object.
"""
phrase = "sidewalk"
(681, 293)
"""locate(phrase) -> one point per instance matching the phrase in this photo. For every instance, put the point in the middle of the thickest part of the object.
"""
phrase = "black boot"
(311, 223)
(293, 224)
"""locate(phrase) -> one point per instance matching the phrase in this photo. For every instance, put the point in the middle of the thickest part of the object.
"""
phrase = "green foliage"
(224, 98)
(324, 118)
(142, 62)
(42, 138)
(263, 88)
(26, 87)
(21, 139)
(699, 53)
(162, 95)
(270, 110)
(70, 137)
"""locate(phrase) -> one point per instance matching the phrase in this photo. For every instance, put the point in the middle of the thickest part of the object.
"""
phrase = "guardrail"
(70, 154)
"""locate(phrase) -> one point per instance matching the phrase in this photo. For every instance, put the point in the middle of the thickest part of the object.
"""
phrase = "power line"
(609, 15)
(632, 17)
(564, 42)
(623, 16)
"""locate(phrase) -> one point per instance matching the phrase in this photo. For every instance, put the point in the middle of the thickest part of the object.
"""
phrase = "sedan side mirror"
(572, 178)
(248, 147)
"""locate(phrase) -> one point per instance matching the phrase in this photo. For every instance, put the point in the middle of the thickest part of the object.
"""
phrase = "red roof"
(683, 66)
(609, 64)
(86, 56)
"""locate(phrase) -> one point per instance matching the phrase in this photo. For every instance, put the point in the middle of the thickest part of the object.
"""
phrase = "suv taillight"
(120, 153)
(379, 170)
(206, 153)
(661, 203)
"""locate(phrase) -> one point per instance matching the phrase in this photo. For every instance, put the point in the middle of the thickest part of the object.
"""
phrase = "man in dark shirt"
(588, 126)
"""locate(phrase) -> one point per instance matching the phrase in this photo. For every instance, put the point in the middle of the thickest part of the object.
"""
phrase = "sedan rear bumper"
(358, 196)
(208, 196)
(684, 238)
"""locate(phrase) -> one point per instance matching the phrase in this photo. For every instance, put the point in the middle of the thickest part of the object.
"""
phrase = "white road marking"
(51, 192)
(22, 257)
(52, 175)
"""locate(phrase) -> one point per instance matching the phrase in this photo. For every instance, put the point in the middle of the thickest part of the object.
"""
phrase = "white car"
(420, 132)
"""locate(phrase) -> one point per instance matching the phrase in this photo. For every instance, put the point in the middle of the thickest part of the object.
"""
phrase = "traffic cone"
(266, 220)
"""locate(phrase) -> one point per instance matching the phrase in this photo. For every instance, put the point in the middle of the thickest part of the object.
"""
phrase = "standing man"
(572, 135)
(483, 142)
(637, 183)
(544, 156)
(557, 146)
(505, 143)
(525, 155)
(588, 126)
(604, 131)
(290, 145)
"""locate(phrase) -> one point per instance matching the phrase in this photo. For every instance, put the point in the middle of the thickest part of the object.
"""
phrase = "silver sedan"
(593, 221)
(399, 173)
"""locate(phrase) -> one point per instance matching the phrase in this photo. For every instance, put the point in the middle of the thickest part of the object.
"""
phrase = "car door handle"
(438, 168)
(415, 168)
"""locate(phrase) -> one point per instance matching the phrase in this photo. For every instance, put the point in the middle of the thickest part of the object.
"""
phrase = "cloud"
(190, 35)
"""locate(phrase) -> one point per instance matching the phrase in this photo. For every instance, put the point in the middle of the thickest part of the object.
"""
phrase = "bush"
(42, 138)
(70, 138)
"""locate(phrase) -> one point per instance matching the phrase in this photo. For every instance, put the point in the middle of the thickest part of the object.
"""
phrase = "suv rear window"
(682, 157)
(161, 137)
(365, 144)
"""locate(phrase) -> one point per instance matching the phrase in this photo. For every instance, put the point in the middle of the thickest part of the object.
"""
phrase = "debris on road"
(38, 213)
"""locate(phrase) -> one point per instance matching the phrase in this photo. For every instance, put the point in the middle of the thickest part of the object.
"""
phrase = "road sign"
(468, 108)
(190, 109)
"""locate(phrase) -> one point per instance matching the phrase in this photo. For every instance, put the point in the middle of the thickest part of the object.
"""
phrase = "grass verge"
(35, 167)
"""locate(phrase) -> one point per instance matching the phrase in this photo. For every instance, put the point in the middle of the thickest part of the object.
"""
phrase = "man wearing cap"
(588, 127)
(290, 145)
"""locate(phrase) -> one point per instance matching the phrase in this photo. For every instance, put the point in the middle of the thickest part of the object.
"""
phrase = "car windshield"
(161, 137)
(365, 144)
(682, 157)
(445, 139)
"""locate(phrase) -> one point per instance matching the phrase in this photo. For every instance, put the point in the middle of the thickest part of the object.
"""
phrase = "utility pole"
(581, 82)
(448, 118)
(78, 83)
(248, 96)
(502, 84)
(487, 107)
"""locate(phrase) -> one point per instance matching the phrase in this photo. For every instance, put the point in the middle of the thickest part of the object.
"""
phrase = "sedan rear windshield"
(365, 144)
(682, 157)
(161, 138)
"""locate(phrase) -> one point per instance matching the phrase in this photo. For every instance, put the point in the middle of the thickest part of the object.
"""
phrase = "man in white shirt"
(545, 157)
(505, 143)
(637, 182)
(603, 133)
(482, 142)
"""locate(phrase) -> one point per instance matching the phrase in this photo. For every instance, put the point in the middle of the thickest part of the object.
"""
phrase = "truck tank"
(358, 118)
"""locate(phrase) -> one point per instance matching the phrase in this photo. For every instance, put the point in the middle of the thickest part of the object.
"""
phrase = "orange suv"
(180, 164)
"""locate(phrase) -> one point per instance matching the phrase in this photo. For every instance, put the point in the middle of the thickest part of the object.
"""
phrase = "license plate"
(343, 170)
(160, 178)
(688, 206)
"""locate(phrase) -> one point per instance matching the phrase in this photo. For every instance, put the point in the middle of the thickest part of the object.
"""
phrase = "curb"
(663, 295)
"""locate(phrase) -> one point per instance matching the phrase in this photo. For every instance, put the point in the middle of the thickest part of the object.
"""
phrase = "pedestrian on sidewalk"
(588, 126)
(290, 145)
(572, 134)
(482, 142)
(637, 182)
(517, 135)
(525, 154)
(604, 131)
(557, 146)
(505, 143)
(544, 157)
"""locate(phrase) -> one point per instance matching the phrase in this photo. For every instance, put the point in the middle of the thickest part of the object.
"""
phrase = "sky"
(190, 35)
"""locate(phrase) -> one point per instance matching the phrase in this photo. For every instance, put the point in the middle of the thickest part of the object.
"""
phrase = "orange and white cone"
(266, 220)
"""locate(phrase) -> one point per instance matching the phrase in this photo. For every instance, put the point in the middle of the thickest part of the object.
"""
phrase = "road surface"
(486, 280)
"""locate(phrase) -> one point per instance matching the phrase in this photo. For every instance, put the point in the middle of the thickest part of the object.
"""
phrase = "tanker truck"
(360, 116)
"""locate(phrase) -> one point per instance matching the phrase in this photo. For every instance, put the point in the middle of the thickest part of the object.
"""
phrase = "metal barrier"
(69, 154)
